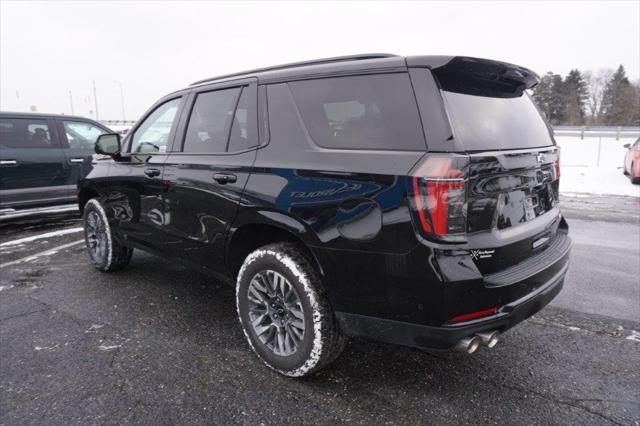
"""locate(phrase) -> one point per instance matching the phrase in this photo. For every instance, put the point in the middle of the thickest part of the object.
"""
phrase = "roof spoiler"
(484, 77)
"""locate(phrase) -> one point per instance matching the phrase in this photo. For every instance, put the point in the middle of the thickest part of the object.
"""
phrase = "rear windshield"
(486, 123)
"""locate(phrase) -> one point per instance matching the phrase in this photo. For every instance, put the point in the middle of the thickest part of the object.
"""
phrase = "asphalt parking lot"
(158, 343)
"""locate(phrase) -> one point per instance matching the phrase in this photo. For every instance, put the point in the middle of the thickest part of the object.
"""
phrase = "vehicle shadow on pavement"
(159, 342)
(533, 366)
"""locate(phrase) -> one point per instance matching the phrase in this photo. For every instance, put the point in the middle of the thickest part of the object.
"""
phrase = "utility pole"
(71, 102)
(95, 99)
(121, 99)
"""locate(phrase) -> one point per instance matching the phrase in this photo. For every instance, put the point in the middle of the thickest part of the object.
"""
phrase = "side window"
(244, 131)
(210, 121)
(81, 134)
(361, 112)
(25, 133)
(153, 134)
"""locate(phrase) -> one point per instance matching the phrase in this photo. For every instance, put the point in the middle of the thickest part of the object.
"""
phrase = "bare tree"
(597, 82)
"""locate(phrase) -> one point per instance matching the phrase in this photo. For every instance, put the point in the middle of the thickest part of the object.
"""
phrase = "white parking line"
(44, 253)
(40, 236)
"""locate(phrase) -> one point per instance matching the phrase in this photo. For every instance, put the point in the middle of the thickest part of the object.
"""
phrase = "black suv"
(42, 157)
(412, 200)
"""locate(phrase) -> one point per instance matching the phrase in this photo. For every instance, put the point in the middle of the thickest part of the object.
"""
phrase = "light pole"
(121, 99)
(95, 99)
(71, 102)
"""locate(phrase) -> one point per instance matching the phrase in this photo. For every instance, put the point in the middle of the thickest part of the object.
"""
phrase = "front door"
(136, 178)
(78, 139)
(33, 168)
(207, 172)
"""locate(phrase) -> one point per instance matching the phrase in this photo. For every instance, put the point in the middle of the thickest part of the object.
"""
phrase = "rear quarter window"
(376, 112)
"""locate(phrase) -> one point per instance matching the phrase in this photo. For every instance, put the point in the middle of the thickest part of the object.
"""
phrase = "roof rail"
(302, 64)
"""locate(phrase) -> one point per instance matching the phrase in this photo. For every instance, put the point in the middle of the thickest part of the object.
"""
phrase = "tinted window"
(244, 130)
(486, 123)
(210, 121)
(81, 134)
(25, 133)
(153, 134)
(363, 112)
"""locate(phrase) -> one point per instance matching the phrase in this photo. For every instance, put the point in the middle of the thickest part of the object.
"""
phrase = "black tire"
(105, 252)
(634, 179)
(322, 340)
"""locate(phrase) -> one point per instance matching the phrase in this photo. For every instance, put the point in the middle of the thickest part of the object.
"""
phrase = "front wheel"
(105, 252)
(284, 312)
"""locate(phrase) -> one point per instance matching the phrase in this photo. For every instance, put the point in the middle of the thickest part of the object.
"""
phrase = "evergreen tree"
(618, 100)
(548, 96)
(575, 93)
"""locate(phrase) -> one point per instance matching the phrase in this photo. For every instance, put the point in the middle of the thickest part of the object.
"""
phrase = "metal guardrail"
(118, 122)
(597, 131)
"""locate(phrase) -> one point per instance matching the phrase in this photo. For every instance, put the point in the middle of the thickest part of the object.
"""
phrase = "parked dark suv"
(409, 200)
(42, 157)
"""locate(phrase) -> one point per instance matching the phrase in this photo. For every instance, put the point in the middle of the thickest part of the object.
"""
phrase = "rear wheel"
(284, 312)
(105, 252)
(632, 173)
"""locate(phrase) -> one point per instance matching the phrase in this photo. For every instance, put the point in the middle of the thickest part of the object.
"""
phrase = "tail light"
(438, 197)
(556, 164)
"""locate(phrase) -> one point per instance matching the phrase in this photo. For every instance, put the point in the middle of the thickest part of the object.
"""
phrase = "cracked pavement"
(159, 343)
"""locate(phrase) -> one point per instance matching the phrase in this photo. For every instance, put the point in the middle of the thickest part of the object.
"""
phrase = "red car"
(632, 161)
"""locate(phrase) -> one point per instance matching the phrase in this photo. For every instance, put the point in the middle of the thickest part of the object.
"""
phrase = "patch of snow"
(635, 336)
(592, 180)
(40, 236)
(593, 165)
(109, 348)
(45, 348)
(6, 287)
(49, 252)
(94, 327)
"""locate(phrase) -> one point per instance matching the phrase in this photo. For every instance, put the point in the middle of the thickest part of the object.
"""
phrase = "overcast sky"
(48, 49)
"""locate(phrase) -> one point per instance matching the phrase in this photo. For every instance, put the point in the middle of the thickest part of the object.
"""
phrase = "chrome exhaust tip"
(489, 338)
(468, 344)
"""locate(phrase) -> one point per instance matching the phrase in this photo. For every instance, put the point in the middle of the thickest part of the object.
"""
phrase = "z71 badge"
(482, 254)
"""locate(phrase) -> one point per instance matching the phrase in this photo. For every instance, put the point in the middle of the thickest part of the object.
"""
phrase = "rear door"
(33, 168)
(78, 139)
(207, 171)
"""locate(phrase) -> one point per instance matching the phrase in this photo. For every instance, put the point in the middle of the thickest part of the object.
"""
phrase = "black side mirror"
(108, 144)
(627, 145)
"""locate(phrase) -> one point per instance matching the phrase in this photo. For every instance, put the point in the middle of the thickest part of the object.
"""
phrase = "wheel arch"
(257, 229)
(85, 195)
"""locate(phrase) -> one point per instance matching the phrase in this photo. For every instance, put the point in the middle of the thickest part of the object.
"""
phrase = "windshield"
(483, 123)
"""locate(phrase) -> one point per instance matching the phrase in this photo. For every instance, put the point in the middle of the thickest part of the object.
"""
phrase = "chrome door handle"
(76, 160)
(8, 163)
(152, 172)
(223, 178)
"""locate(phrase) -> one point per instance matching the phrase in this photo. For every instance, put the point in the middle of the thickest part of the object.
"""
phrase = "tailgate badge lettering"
(482, 254)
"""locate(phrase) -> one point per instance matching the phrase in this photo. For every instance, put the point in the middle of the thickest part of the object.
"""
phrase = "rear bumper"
(446, 336)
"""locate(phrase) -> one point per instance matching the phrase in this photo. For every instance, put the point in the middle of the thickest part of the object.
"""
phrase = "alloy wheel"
(96, 236)
(275, 312)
